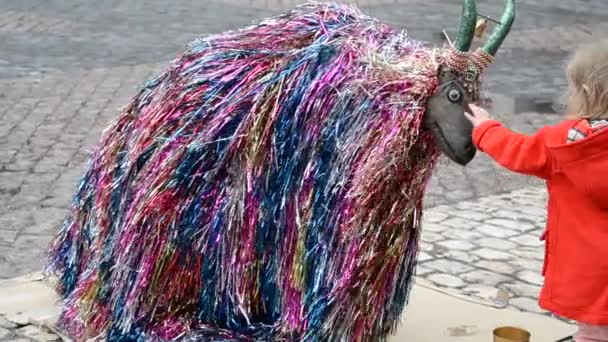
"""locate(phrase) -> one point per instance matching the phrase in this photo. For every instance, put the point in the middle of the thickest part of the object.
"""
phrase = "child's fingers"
(468, 109)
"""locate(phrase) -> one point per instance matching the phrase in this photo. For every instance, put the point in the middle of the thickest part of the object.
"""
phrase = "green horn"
(502, 30)
(467, 26)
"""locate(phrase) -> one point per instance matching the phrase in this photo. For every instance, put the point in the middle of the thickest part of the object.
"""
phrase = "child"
(572, 157)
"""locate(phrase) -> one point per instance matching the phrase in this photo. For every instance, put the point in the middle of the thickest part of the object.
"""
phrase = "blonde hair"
(587, 74)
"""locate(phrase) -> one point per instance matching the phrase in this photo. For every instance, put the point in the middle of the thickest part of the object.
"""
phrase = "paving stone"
(422, 257)
(519, 289)
(8, 236)
(529, 253)
(494, 243)
(509, 214)
(434, 227)
(484, 277)
(5, 323)
(528, 264)
(526, 304)
(476, 206)
(37, 334)
(532, 212)
(531, 277)
(448, 266)
(4, 333)
(460, 234)
(495, 231)
(472, 215)
(528, 240)
(457, 245)
(421, 270)
(446, 280)
(465, 257)
(501, 267)
(431, 237)
(427, 247)
(434, 216)
(510, 224)
(459, 223)
(490, 254)
(18, 319)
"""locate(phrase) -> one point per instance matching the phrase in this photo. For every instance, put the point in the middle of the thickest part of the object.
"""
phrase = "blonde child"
(572, 157)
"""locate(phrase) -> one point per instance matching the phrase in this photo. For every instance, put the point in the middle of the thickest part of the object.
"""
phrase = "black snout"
(455, 144)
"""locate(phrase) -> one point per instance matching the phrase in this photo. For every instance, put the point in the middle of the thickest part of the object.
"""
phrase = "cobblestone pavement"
(488, 248)
(67, 66)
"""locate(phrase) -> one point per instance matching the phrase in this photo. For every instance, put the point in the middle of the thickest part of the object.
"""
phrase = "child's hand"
(477, 115)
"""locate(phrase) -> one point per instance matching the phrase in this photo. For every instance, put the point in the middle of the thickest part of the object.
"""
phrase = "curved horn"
(467, 26)
(502, 30)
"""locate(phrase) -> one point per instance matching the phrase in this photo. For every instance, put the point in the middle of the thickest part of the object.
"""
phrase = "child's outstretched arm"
(517, 152)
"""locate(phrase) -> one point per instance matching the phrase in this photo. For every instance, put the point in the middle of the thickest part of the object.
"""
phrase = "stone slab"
(432, 315)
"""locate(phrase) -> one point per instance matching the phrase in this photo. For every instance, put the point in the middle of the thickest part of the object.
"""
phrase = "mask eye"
(454, 95)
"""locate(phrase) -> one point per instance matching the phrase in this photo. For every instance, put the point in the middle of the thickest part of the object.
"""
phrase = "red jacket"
(576, 245)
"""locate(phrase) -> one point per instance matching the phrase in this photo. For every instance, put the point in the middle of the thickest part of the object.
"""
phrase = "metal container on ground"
(511, 334)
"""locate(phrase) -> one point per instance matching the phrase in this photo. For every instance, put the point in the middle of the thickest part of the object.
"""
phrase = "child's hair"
(587, 74)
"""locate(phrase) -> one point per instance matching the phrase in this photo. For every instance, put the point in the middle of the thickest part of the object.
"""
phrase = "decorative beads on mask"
(469, 66)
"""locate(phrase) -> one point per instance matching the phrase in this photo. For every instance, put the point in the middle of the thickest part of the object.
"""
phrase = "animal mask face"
(459, 83)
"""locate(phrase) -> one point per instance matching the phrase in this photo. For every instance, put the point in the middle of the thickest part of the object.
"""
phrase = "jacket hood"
(585, 164)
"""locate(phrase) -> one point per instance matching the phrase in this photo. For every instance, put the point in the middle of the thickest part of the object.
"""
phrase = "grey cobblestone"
(466, 235)
(422, 271)
(501, 267)
(465, 257)
(529, 253)
(435, 228)
(472, 215)
(523, 290)
(434, 216)
(431, 237)
(458, 222)
(6, 324)
(494, 243)
(448, 266)
(530, 277)
(484, 277)
(491, 254)
(37, 334)
(496, 231)
(422, 257)
(526, 304)
(446, 280)
(529, 240)
(4, 333)
(511, 224)
(527, 264)
(456, 245)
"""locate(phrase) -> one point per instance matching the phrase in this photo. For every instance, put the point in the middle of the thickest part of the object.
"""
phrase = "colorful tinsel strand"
(267, 186)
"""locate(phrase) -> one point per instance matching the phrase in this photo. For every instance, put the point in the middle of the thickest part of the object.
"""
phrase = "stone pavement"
(67, 66)
(488, 248)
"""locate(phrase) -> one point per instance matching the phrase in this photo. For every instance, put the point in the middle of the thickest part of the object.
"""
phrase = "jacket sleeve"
(517, 152)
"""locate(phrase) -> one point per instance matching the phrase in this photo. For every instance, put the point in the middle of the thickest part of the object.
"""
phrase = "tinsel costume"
(266, 187)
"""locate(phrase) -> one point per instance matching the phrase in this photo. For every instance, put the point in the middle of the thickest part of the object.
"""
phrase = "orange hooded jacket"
(576, 236)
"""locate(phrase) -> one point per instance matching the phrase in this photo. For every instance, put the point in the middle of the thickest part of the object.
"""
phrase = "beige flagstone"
(432, 315)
